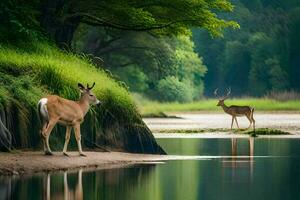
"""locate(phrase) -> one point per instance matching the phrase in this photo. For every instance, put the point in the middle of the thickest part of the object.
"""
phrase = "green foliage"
(115, 123)
(278, 77)
(18, 22)
(260, 57)
(161, 57)
(134, 77)
(190, 68)
(171, 89)
(60, 19)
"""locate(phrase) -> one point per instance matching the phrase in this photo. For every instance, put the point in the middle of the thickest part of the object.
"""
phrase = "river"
(213, 168)
(244, 168)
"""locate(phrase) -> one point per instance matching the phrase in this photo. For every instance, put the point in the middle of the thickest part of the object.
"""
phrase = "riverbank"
(157, 109)
(191, 122)
(28, 162)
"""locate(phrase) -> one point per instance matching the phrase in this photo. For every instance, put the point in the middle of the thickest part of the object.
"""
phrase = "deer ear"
(81, 87)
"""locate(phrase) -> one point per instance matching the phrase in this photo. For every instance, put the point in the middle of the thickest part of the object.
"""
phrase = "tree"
(61, 18)
(278, 77)
(262, 56)
(236, 66)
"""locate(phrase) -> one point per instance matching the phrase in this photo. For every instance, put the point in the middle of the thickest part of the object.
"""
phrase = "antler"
(228, 93)
(89, 88)
(216, 92)
(224, 97)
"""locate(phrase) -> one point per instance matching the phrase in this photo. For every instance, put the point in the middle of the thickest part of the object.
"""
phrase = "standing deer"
(54, 109)
(236, 111)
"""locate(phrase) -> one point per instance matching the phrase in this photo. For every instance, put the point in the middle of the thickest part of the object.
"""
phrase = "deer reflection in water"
(238, 162)
(68, 194)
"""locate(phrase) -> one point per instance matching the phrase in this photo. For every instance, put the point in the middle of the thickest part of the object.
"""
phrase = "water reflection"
(78, 185)
(68, 193)
(236, 163)
(5, 187)
(275, 177)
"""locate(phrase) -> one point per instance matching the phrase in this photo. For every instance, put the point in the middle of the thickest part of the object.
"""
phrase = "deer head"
(87, 94)
(222, 99)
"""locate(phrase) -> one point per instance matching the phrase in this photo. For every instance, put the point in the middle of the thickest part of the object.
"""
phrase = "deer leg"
(236, 123)
(78, 190)
(66, 187)
(78, 139)
(46, 133)
(250, 120)
(43, 129)
(232, 123)
(67, 139)
(48, 197)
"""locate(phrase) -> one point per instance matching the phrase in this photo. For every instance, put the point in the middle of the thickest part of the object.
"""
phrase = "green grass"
(71, 68)
(258, 131)
(26, 75)
(149, 108)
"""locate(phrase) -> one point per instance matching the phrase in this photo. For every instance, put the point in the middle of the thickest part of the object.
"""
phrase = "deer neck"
(225, 108)
(84, 104)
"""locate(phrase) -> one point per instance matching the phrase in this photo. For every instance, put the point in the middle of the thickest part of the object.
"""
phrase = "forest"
(48, 46)
(257, 57)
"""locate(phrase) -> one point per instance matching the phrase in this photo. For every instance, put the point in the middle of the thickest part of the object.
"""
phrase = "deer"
(236, 111)
(54, 109)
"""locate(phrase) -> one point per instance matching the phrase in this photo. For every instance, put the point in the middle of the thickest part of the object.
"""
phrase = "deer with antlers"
(54, 109)
(236, 111)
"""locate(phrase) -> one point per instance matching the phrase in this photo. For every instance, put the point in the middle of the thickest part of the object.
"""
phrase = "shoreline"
(22, 163)
(32, 162)
(221, 135)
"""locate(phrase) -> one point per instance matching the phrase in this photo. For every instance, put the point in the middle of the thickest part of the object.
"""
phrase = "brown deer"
(236, 111)
(54, 109)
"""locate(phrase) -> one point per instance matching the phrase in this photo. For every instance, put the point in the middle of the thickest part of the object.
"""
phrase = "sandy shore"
(289, 122)
(28, 162)
(32, 162)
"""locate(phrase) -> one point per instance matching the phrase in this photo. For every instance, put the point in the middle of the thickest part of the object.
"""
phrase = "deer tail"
(42, 110)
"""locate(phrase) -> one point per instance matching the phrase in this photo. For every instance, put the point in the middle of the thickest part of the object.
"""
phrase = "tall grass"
(68, 69)
(27, 75)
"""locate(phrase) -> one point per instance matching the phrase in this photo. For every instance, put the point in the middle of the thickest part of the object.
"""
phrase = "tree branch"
(95, 21)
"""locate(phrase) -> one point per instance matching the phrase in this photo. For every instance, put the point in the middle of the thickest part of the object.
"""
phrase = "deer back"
(64, 109)
(239, 110)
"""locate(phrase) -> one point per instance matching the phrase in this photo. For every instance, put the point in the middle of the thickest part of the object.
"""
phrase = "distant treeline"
(262, 56)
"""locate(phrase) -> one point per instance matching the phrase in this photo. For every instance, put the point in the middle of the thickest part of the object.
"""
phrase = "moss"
(259, 131)
(265, 131)
(27, 76)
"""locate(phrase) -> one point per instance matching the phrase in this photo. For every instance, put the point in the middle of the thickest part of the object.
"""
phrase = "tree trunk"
(52, 20)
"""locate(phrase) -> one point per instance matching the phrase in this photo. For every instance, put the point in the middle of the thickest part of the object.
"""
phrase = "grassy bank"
(28, 74)
(152, 108)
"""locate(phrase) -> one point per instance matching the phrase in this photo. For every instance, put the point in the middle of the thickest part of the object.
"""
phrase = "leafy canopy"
(162, 17)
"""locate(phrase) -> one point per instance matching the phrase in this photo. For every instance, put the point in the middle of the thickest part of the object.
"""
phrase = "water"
(271, 172)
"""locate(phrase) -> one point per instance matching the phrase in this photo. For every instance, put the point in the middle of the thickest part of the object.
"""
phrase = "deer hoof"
(65, 154)
(82, 154)
(48, 153)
